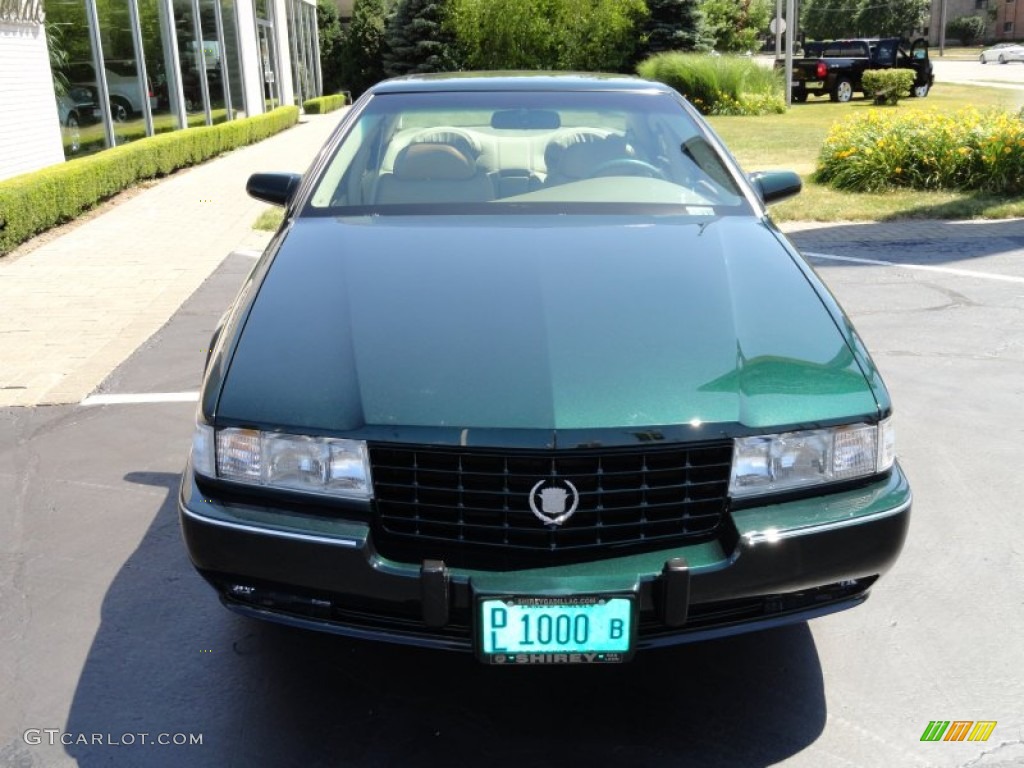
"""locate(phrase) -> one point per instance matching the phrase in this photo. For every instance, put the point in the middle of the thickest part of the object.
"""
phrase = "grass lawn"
(791, 141)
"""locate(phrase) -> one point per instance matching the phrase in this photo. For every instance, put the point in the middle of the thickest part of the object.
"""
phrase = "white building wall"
(29, 130)
(284, 52)
(252, 82)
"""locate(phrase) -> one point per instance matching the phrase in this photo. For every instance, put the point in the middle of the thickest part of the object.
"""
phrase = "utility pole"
(942, 29)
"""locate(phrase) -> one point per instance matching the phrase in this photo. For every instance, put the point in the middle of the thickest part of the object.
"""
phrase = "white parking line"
(921, 267)
(147, 397)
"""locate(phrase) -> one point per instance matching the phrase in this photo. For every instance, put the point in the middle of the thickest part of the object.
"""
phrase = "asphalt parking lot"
(108, 634)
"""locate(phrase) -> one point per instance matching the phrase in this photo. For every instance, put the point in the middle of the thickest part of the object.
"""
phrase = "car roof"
(516, 81)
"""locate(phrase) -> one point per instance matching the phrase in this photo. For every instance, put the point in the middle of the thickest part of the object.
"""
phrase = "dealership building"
(78, 76)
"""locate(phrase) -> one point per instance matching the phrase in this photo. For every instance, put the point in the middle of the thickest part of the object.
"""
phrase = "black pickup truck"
(835, 68)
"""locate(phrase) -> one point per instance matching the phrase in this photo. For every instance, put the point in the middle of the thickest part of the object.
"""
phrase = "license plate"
(587, 629)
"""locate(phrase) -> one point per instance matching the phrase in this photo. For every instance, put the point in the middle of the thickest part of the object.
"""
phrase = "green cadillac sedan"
(528, 372)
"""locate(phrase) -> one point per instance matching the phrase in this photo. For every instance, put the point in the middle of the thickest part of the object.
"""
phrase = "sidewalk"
(74, 308)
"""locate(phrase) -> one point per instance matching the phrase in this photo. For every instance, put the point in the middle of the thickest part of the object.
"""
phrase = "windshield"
(551, 151)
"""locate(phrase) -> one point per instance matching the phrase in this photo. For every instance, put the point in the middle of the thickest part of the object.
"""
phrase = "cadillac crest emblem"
(554, 500)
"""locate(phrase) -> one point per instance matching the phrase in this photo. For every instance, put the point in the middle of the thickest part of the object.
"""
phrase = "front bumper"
(779, 563)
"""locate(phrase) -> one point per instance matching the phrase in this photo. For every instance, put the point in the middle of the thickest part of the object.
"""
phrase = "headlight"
(321, 465)
(793, 460)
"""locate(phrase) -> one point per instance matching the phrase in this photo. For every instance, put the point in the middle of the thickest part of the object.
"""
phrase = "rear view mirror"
(773, 186)
(526, 119)
(275, 188)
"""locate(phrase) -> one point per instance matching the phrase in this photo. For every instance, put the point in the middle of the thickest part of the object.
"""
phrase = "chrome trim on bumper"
(771, 535)
(341, 542)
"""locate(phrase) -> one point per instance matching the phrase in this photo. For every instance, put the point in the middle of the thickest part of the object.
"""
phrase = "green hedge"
(718, 85)
(886, 86)
(34, 202)
(323, 104)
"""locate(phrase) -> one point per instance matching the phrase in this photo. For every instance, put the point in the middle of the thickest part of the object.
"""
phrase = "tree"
(736, 25)
(896, 18)
(828, 19)
(836, 19)
(364, 46)
(418, 39)
(598, 35)
(673, 25)
(332, 43)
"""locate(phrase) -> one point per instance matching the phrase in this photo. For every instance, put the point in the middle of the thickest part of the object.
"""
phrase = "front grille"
(471, 507)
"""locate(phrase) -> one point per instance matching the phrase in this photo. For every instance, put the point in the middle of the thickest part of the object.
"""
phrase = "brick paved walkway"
(74, 308)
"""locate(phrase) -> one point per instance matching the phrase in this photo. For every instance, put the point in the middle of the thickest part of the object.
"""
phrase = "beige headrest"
(424, 161)
(579, 160)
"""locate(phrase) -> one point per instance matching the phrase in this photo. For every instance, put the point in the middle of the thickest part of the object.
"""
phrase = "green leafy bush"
(34, 202)
(718, 85)
(734, 26)
(967, 29)
(964, 150)
(324, 104)
(886, 86)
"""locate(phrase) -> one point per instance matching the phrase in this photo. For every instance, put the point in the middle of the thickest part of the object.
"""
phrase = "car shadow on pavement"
(168, 661)
(913, 241)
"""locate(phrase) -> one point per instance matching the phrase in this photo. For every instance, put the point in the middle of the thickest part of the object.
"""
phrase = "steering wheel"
(640, 168)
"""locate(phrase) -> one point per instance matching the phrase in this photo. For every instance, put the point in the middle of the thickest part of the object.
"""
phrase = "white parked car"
(123, 84)
(1003, 53)
(74, 108)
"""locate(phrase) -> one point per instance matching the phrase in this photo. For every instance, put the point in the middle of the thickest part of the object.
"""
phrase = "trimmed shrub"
(886, 86)
(718, 85)
(324, 104)
(34, 202)
(965, 150)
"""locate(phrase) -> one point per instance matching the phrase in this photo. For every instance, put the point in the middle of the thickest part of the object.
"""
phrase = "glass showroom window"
(189, 59)
(266, 43)
(295, 43)
(213, 61)
(160, 66)
(74, 76)
(130, 94)
(231, 52)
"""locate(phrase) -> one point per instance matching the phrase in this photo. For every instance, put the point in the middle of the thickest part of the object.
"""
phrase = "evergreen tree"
(673, 25)
(365, 46)
(417, 40)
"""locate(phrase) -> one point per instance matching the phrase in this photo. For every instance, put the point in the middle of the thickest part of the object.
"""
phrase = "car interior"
(524, 156)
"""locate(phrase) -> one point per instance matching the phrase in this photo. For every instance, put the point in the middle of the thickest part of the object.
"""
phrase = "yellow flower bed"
(966, 150)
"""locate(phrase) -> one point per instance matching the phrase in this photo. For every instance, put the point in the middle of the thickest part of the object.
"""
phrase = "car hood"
(537, 323)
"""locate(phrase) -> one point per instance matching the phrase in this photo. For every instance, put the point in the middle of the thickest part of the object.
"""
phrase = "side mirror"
(773, 186)
(276, 188)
